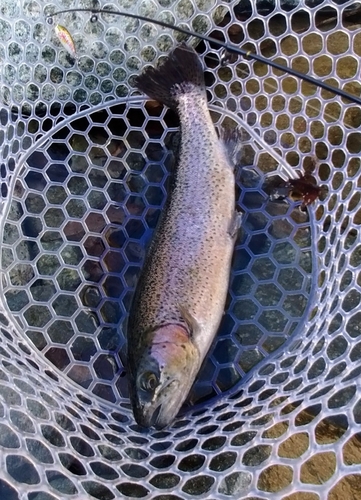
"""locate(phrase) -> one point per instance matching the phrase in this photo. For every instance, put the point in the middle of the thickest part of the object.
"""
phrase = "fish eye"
(148, 381)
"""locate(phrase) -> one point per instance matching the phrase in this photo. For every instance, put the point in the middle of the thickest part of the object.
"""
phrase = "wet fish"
(180, 296)
(65, 39)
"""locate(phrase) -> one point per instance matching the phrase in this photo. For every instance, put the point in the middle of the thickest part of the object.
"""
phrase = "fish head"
(163, 376)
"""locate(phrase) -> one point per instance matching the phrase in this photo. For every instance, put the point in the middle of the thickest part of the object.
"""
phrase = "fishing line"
(227, 46)
(274, 88)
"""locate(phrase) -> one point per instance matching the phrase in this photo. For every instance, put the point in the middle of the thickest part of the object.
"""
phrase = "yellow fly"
(65, 39)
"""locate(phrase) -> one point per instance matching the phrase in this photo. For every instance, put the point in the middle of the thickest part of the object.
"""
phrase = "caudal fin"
(180, 73)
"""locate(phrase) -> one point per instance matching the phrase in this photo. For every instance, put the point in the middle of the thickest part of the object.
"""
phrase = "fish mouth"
(160, 420)
(155, 417)
(147, 417)
(158, 414)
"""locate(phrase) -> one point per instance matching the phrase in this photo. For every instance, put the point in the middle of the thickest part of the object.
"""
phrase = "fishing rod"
(227, 46)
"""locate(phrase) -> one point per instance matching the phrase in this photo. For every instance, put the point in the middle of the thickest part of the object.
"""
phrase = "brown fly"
(302, 189)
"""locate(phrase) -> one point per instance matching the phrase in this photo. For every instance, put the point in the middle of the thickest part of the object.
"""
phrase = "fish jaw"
(161, 414)
(171, 361)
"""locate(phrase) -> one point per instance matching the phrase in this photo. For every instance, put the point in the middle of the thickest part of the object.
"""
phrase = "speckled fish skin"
(180, 296)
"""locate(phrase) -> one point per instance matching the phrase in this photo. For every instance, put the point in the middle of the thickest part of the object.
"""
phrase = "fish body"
(65, 39)
(180, 296)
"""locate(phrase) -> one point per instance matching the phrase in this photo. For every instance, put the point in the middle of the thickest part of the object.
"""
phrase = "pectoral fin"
(190, 320)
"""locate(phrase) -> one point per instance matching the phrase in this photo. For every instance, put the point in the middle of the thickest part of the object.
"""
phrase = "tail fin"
(180, 73)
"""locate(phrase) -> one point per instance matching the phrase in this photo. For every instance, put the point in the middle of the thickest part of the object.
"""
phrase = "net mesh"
(85, 160)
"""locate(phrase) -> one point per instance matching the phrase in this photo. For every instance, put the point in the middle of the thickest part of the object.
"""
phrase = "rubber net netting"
(276, 409)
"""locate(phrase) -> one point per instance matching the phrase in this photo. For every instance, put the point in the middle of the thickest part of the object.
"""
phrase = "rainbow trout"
(180, 296)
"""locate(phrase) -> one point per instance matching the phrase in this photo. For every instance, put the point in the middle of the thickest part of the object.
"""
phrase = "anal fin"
(232, 142)
(235, 224)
